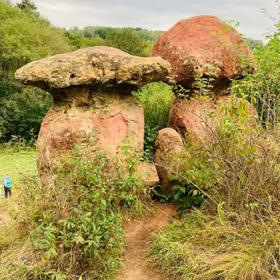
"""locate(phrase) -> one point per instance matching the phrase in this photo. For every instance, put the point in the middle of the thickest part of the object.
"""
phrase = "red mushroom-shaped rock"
(204, 46)
(92, 99)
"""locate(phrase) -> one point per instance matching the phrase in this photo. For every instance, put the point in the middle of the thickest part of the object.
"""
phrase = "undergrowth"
(72, 229)
(156, 99)
(235, 179)
(228, 247)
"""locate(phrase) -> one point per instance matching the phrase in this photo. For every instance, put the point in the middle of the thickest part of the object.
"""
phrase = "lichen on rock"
(99, 67)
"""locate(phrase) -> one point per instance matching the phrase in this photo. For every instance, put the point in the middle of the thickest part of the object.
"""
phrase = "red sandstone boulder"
(110, 123)
(92, 102)
(196, 119)
(149, 175)
(168, 147)
(190, 118)
(203, 45)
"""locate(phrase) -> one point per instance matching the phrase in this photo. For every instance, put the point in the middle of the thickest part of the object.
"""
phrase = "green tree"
(129, 41)
(27, 5)
(25, 37)
(79, 38)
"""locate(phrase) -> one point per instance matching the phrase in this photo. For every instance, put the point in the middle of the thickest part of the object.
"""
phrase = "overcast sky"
(157, 14)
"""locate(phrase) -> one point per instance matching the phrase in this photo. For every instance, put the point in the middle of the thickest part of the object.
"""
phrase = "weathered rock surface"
(148, 174)
(190, 118)
(203, 45)
(193, 118)
(92, 102)
(95, 66)
(108, 121)
(168, 146)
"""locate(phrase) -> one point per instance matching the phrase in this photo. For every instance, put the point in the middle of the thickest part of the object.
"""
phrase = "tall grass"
(202, 247)
(236, 234)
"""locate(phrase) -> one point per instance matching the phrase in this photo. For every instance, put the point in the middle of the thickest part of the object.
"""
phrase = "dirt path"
(138, 233)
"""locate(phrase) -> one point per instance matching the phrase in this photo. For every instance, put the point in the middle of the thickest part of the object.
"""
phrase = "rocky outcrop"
(196, 119)
(168, 147)
(204, 46)
(92, 102)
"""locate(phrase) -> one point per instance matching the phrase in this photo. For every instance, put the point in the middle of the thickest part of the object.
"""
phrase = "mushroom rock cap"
(95, 66)
(203, 45)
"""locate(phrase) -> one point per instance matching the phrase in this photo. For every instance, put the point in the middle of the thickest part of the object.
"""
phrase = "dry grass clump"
(202, 247)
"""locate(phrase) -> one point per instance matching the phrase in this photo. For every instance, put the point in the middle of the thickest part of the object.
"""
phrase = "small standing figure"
(7, 182)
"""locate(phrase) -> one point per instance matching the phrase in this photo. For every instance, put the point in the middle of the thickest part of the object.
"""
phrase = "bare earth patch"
(137, 236)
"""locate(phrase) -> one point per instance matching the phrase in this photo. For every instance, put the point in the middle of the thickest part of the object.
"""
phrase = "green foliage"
(263, 87)
(22, 113)
(27, 5)
(254, 44)
(35, 38)
(186, 196)
(227, 167)
(236, 234)
(80, 39)
(75, 225)
(136, 41)
(129, 41)
(21, 108)
(156, 99)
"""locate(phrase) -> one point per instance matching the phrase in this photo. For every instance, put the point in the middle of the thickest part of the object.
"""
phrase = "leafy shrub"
(73, 228)
(233, 165)
(156, 99)
(263, 87)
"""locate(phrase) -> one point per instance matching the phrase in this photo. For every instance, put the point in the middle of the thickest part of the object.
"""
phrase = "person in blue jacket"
(7, 183)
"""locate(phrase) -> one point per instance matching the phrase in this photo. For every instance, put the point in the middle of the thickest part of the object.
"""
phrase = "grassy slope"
(17, 164)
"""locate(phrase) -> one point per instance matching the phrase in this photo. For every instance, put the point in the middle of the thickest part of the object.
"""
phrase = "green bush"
(78, 39)
(73, 228)
(22, 112)
(156, 99)
(263, 87)
(232, 165)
